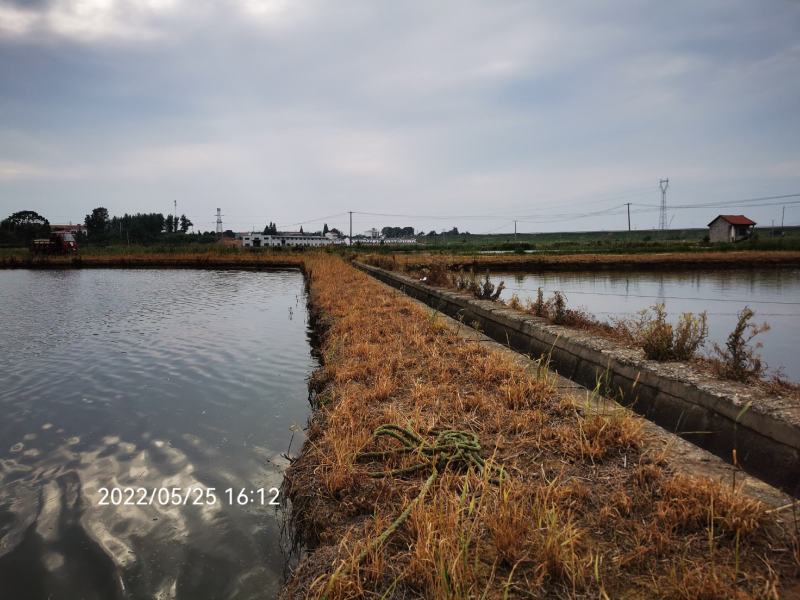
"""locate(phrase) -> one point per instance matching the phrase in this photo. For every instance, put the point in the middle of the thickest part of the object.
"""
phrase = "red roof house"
(730, 228)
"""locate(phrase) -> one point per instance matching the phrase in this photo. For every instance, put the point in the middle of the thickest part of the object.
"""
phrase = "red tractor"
(58, 243)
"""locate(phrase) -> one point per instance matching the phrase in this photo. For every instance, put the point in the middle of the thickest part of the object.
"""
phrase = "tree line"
(22, 227)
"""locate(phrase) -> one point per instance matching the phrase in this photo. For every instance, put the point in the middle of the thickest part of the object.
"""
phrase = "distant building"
(730, 228)
(280, 240)
(382, 239)
(73, 229)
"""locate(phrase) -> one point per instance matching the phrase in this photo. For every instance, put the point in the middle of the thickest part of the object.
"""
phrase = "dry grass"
(586, 510)
(202, 257)
(534, 262)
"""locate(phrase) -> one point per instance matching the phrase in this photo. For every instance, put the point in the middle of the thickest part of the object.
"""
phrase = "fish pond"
(146, 419)
(773, 293)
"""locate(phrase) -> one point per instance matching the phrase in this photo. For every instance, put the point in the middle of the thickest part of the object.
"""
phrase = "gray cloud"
(288, 111)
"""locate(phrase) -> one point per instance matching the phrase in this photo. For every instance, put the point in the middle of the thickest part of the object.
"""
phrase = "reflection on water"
(149, 379)
(773, 293)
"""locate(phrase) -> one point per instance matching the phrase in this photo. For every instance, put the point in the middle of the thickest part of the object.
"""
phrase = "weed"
(514, 302)
(739, 359)
(558, 304)
(481, 289)
(690, 334)
(438, 274)
(659, 339)
(539, 307)
(657, 336)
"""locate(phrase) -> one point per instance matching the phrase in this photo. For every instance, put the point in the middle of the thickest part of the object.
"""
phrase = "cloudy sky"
(553, 113)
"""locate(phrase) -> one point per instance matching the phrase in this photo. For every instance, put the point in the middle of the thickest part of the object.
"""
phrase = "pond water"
(773, 293)
(143, 381)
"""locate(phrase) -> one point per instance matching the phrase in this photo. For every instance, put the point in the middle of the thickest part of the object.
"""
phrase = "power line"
(539, 218)
(314, 220)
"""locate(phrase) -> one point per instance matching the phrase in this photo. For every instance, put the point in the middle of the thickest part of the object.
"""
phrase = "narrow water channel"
(178, 388)
(774, 294)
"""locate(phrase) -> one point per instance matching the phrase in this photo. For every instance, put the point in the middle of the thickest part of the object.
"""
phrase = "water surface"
(135, 378)
(774, 293)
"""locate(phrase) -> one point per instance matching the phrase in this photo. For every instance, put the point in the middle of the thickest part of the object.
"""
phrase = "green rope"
(451, 448)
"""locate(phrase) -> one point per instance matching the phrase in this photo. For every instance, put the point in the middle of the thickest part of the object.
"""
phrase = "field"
(551, 498)
(673, 240)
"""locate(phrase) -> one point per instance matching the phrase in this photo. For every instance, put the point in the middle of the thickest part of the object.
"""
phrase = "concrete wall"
(719, 231)
(716, 415)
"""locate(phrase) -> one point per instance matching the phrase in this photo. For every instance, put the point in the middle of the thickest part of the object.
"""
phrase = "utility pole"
(662, 220)
(219, 222)
(629, 215)
(783, 214)
(351, 229)
(175, 206)
(515, 230)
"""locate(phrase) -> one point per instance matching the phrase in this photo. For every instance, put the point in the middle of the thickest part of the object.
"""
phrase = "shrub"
(659, 339)
(656, 336)
(514, 302)
(483, 290)
(690, 334)
(438, 274)
(539, 308)
(739, 360)
(558, 305)
(389, 263)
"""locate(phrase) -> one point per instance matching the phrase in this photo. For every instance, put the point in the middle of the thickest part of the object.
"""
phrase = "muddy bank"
(166, 260)
(591, 499)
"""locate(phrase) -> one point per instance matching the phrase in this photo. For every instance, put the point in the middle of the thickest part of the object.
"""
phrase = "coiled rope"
(451, 448)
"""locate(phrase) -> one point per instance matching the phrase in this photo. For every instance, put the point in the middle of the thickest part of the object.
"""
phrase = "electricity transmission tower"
(219, 222)
(662, 218)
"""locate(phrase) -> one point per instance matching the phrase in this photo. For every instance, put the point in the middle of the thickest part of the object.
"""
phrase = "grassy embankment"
(586, 505)
(538, 262)
(155, 257)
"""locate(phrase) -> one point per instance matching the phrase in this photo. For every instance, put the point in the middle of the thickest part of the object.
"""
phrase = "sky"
(466, 114)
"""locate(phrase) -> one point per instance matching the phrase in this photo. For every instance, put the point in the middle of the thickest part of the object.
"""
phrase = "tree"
(301, 230)
(138, 228)
(325, 229)
(185, 224)
(396, 232)
(97, 223)
(271, 229)
(24, 226)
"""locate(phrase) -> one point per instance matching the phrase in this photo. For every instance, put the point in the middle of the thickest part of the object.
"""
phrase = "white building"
(374, 241)
(263, 240)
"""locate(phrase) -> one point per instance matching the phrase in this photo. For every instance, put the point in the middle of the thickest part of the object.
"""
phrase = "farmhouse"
(730, 228)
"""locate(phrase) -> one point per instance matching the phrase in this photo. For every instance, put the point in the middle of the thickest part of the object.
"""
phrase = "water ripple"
(145, 378)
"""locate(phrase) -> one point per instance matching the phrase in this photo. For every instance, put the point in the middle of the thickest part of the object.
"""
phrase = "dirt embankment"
(218, 259)
(585, 504)
(551, 262)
